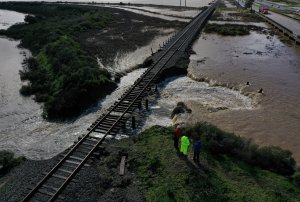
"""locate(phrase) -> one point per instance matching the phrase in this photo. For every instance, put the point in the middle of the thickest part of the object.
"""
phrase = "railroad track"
(109, 123)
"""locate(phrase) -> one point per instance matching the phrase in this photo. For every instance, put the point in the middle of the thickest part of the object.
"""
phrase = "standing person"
(184, 145)
(176, 137)
(197, 149)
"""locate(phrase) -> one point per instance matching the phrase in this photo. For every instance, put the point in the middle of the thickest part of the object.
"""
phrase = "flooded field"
(265, 62)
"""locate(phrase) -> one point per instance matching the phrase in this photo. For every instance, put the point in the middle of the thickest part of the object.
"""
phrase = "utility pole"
(184, 3)
(180, 3)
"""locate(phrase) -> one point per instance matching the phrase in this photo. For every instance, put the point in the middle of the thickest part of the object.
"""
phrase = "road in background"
(289, 23)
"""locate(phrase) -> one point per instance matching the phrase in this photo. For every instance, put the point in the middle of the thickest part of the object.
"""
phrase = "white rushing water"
(184, 89)
(177, 89)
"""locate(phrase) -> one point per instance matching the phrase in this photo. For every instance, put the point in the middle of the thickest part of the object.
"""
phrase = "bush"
(26, 90)
(155, 164)
(30, 19)
(8, 161)
(296, 178)
(276, 159)
(218, 142)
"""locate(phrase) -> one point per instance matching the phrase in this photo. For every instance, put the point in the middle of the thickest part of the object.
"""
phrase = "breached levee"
(209, 99)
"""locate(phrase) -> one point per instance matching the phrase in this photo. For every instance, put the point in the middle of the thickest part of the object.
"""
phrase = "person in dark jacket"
(177, 135)
(197, 149)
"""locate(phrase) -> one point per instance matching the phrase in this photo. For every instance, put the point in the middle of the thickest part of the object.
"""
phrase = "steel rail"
(167, 51)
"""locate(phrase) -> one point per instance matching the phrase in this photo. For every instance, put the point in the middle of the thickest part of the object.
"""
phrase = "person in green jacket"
(184, 145)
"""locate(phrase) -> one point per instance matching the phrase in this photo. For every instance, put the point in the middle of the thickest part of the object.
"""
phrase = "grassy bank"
(62, 73)
(163, 176)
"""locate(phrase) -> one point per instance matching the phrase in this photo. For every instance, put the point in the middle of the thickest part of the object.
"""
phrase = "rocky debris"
(179, 109)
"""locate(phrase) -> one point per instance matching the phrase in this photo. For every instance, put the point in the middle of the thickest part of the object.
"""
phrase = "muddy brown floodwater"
(265, 62)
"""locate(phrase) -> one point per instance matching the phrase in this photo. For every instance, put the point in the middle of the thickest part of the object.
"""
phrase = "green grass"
(163, 176)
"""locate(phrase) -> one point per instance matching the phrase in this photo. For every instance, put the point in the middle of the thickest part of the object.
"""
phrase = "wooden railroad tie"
(123, 155)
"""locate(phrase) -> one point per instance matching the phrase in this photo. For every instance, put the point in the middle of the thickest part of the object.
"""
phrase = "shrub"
(296, 178)
(155, 164)
(26, 90)
(8, 161)
(218, 142)
(276, 159)
(30, 19)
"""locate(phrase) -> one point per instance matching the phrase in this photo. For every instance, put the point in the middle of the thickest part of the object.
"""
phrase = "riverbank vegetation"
(218, 142)
(8, 161)
(227, 171)
(62, 73)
